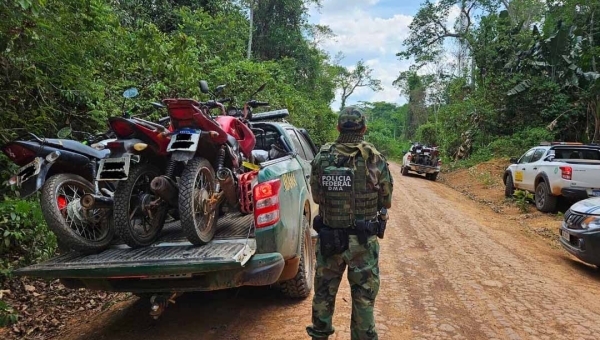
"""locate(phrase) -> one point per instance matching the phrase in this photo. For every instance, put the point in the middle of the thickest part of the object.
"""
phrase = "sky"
(371, 30)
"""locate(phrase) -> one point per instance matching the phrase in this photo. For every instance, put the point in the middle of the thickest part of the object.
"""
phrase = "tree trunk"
(249, 54)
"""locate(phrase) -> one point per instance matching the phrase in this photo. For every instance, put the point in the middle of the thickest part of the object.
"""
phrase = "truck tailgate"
(587, 175)
(232, 248)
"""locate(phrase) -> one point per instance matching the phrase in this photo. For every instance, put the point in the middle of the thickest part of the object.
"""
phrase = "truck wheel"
(404, 171)
(197, 187)
(137, 218)
(544, 200)
(74, 230)
(509, 188)
(432, 177)
(301, 285)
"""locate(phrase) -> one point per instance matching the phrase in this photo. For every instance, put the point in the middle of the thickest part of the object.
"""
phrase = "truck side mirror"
(513, 160)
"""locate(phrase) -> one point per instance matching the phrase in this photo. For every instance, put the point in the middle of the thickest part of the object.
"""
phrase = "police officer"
(352, 184)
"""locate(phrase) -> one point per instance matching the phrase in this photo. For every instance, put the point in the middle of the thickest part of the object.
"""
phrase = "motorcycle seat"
(77, 147)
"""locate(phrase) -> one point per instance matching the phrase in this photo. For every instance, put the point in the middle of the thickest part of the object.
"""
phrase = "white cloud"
(359, 32)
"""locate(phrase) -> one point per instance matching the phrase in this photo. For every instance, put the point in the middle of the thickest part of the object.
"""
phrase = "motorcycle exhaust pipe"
(228, 188)
(91, 201)
(164, 188)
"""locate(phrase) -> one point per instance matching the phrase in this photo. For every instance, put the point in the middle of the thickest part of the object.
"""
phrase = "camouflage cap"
(351, 119)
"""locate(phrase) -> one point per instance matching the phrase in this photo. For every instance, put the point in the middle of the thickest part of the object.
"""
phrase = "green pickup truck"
(247, 250)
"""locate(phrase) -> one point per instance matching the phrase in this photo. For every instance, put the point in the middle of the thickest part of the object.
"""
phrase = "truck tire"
(544, 200)
(199, 230)
(432, 177)
(131, 198)
(58, 194)
(404, 171)
(300, 286)
(509, 188)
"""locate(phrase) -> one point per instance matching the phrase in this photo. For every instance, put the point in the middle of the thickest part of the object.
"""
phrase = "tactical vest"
(345, 193)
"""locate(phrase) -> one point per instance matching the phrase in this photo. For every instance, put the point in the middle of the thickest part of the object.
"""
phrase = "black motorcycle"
(65, 171)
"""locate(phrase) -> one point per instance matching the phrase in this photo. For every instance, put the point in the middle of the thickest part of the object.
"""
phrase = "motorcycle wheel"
(139, 214)
(197, 186)
(85, 232)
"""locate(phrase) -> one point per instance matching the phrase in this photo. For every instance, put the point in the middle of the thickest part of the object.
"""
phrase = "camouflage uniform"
(361, 259)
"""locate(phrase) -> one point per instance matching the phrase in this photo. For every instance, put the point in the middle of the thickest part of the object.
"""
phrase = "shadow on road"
(586, 269)
(203, 315)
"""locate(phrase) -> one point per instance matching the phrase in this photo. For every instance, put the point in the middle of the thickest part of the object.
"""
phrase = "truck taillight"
(439, 162)
(266, 203)
(566, 172)
(409, 157)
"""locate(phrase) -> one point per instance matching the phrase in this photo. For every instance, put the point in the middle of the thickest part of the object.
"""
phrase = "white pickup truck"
(422, 159)
(556, 169)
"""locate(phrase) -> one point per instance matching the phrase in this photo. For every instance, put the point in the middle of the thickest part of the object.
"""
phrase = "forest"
(490, 81)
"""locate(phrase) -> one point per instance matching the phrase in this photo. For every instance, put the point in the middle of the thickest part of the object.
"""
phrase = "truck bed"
(172, 254)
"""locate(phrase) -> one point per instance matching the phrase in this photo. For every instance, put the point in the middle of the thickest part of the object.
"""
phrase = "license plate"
(596, 193)
(29, 171)
(184, 140)
(114, 169)
(565, 234)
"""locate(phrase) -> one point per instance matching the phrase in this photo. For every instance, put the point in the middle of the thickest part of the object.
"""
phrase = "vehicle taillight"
(409, 157)
(566, 172)
(115, 145)
(19, 154)
(266, 203)
(181, 113)
(439, 162)
(121, 128)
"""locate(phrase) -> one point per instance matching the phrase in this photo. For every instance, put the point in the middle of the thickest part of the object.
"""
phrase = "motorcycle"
(213, 150)
(137, 156)
(65, 170)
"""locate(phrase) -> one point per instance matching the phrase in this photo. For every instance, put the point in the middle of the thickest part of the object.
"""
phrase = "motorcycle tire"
(198, 220)
(73, 229)
(137, 223)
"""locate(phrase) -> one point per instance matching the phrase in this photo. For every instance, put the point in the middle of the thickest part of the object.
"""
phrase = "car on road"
(422, 159)
(273, 243)
(551, 170)
(580, 231)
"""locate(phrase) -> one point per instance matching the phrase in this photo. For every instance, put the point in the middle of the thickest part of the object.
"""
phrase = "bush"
(427, 134)
(24, 235)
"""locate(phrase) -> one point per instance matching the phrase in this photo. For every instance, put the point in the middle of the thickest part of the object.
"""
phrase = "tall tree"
(349, 80)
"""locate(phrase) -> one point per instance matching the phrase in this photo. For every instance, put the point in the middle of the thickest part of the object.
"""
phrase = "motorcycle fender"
(182, 156)
(35, 183)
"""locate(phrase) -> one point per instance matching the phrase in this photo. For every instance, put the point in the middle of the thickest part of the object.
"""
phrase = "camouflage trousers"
(363, 276)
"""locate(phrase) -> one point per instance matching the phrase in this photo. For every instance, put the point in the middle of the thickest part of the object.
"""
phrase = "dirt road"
(450, 269)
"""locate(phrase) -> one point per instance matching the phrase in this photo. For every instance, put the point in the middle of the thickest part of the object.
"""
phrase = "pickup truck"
(551, 170)
(422, 160)
(273, 244)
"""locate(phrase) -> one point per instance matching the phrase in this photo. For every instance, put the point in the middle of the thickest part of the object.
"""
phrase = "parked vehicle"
(551, 170)
(64, 170)
(422, 159)
(213, 150)
(580, 230)
(137, 156)
(270, 245)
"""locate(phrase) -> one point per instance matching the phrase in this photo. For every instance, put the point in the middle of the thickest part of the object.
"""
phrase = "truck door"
(304, 151)
(521, 169)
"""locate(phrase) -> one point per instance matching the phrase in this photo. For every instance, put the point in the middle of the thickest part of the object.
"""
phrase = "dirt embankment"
(483, 184)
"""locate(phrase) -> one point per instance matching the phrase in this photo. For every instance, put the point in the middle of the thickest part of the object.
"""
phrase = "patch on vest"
(342, 183)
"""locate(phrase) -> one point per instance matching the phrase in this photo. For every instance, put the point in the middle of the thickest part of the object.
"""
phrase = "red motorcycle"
(138, 156)
(214, 149)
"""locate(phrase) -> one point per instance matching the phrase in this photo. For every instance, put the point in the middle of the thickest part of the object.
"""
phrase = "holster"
(318, 223)
(333, 241)
(365, 229)
(382, 219)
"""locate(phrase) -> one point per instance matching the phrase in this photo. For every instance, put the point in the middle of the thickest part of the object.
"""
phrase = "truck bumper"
(574, 194)
(423, 169)
(261, 270)
(583, 244)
